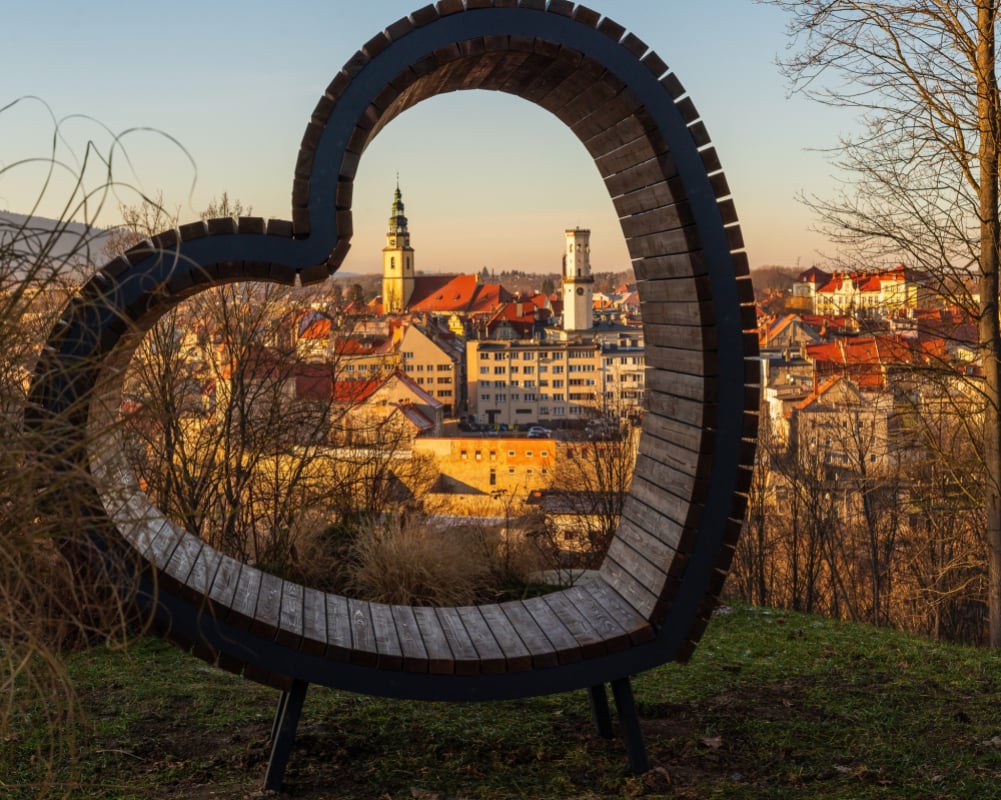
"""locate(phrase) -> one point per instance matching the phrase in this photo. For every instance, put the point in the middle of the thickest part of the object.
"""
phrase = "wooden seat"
(666, 563)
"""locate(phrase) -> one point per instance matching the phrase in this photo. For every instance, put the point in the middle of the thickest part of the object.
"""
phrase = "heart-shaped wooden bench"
(666, 564)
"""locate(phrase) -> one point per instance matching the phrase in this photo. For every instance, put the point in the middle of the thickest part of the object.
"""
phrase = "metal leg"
(622, 691)
(599, 710)
(283, 733)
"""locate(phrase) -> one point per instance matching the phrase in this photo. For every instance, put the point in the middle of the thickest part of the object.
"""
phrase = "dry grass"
(415, 562)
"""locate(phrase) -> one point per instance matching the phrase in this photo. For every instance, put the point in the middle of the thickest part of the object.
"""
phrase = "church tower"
(397, 260)
(578, 284)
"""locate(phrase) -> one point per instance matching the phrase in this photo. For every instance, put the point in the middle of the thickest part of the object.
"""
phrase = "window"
(493, 476)
(499, 370)
(484, 370)
(501, 398)
(528, 453)
(514, 370)
(510, 470)
(444, 368)
(557, 384)
(544, 454)
(479, 456)
(510, 453)
(529, 370)
(484, 396)
(463, 455)
(493, 456)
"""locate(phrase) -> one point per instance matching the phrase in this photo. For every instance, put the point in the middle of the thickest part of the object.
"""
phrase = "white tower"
(578, 284)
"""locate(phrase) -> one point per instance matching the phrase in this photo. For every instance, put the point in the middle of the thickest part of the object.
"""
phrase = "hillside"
(772, 705)
(68, 248)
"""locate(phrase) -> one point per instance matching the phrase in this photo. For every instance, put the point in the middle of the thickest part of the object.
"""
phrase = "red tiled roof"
(460, 293)
(819, 392)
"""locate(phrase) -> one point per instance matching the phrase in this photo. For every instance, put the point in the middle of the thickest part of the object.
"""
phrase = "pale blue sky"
(488, 180)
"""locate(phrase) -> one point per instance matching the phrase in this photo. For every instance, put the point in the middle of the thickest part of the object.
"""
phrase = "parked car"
(538, 432)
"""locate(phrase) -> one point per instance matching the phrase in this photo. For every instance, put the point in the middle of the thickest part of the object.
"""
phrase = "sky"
(194, 99)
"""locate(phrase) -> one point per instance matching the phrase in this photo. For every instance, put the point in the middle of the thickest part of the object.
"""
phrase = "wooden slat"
(183, 557)
(224, 583)
(290, 621)
(463, 650)
(589, 640)
(694, 387)
(635, 178)
(647, 504)
(652, 577)
(440, 658)
(386, 638)
(677, 312)
(674, 478)
(685, 436)
(314, 622)
(658, 549)
(535, 641)
(615, 134)
(618, 608)
(644, 199)
(489, 652)
(203, 571)
(674, 278)
(625, 159)
(145, 534)
(629, 586)
(415, 654)
(679, 240)
(338, 628)
(241, 609)
(162, 547)
(568, 649)
(693, 362)
(666, 218)
(364, 648)
(687, 337)
(694, 465)
(515, 652)
(267, 612)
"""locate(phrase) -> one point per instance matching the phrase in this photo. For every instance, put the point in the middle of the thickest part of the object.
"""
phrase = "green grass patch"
(773, 705)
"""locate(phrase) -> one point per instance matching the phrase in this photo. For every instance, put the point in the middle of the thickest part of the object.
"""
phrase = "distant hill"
(71, 250)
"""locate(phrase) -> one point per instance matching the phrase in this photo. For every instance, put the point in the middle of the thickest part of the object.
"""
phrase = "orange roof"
(460, 293)
(819, 392)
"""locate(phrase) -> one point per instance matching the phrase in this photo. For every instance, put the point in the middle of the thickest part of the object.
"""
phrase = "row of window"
(478, 454)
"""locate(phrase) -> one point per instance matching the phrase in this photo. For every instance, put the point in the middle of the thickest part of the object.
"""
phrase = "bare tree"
(592, 480)
(923, 182)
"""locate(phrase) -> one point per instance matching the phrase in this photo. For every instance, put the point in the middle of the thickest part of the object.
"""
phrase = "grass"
(773, 705)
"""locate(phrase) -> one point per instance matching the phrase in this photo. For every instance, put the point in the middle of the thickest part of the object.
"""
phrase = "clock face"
(580, 290)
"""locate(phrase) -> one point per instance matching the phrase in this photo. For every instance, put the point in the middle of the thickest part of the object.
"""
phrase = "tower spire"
(397, 258)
